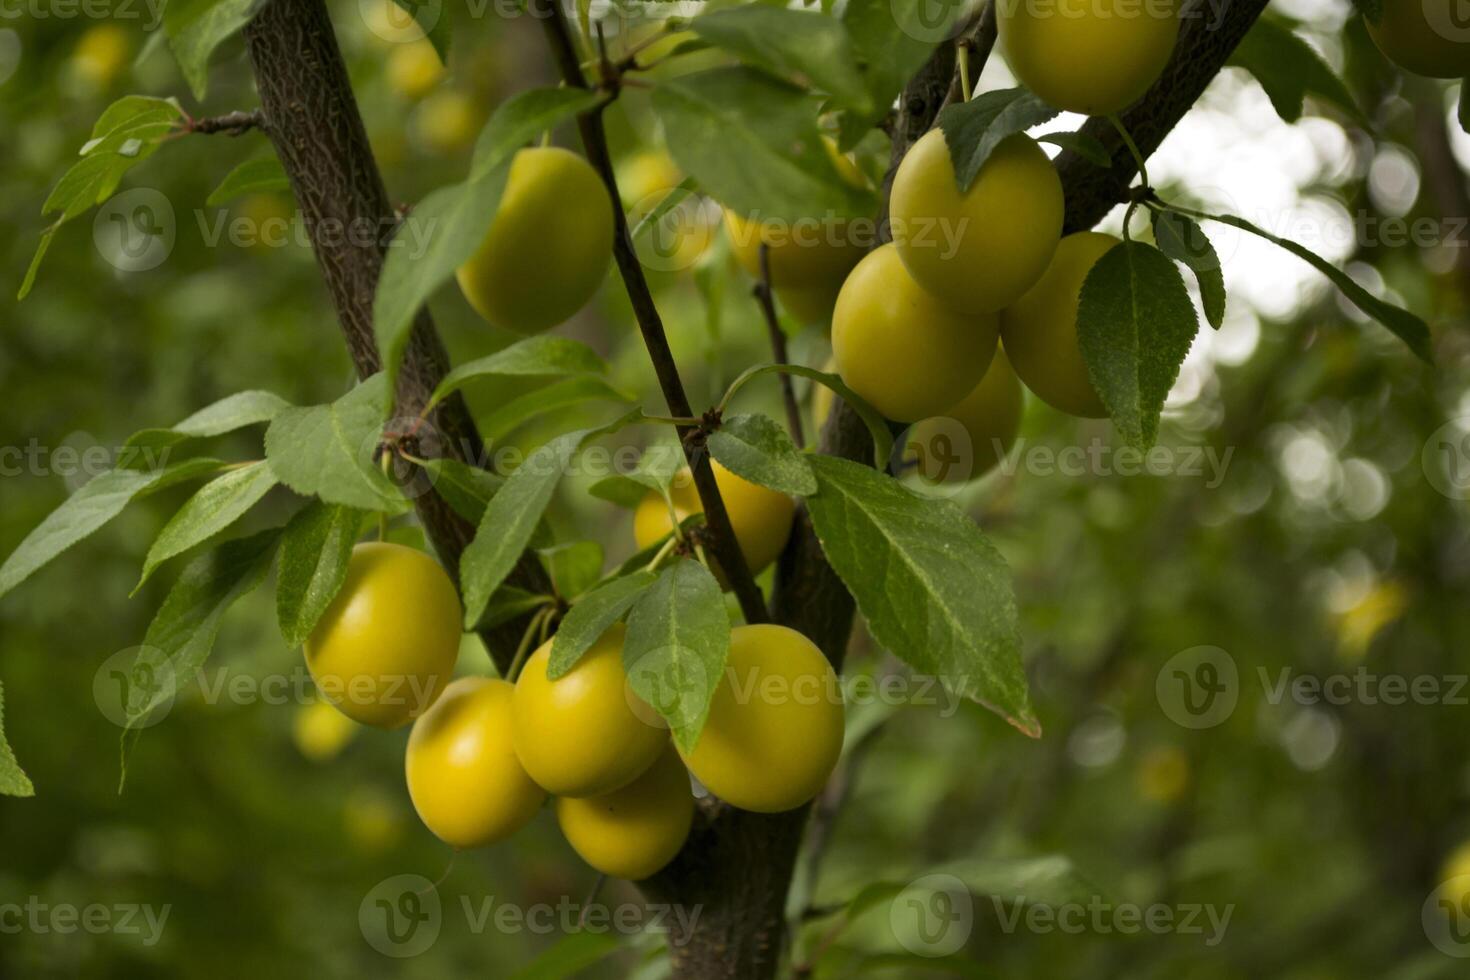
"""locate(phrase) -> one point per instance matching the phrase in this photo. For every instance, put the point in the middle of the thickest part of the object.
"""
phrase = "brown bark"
(311, 116)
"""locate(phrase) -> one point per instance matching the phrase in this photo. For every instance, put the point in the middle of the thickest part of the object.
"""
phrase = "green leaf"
(1405, 325)
(677, 643)
(130, 122)
(13, 780)
(1089, 148)
(195, 28)
(932, 588)
(315, 549)
(619, 489)
(467, 489)
(877, 425)
(756, 448)
(1052, 880)
(183, 630)
(96, 503)
(808, 48)
(575, 390)
(574, 567)
(892, 39)
(1464, 113)
(655, 471)
(181, 472)
(592, 616)
(1135, 324)
(250, 177)
(571, 956)
(511, 517)
(216, 505)
(128, 132)
(752, 143)
(543, 356)
(237, 411)
(974, 129)
(1290, 69)
(327, 450)
(446, 227)
(1183, 240)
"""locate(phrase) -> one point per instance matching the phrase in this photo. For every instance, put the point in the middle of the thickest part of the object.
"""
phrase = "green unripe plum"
(775, 724)
(974, 436)
(980, 250)
(1039, 330)
(549, 246)
(901, 349)
(1426, 37)
(463, 776)
(1095, 57)
(580, 735)
(635, 831)
(386, 645)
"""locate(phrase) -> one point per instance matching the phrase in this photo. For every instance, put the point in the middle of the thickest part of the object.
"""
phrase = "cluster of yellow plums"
(919, 323)
(485, 754)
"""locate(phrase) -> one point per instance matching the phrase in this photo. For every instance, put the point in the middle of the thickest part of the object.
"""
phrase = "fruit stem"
(665, 551)
(533, 630)
(591, 897)
(963, 53)
(1132, 147)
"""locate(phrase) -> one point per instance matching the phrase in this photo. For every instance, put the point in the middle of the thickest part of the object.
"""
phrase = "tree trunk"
(313, 121)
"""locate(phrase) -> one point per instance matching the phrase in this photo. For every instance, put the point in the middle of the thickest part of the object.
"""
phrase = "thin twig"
(234, 123)
(765, 296)
(650, 324)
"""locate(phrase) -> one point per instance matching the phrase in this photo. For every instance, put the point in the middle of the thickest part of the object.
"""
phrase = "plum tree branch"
(765, 296)
(311, 115)
(235, 123)
(721, 537)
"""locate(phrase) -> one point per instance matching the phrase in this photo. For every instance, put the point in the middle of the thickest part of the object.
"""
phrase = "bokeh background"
(1324, 536)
